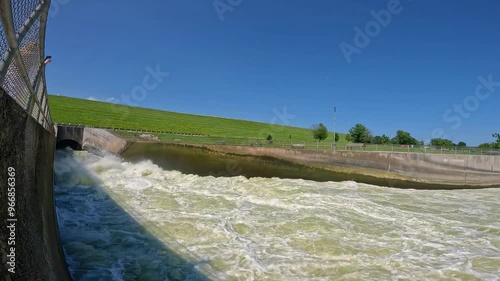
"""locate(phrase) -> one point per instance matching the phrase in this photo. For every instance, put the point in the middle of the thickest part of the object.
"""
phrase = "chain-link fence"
(22, 68)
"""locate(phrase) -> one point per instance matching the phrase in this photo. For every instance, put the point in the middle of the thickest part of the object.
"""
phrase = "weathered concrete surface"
(69, 136)
(102, 139)
(29, 149)
(461, 170)
(79, 138)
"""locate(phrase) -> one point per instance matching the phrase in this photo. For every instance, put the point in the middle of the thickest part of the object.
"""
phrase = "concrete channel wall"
(463, 170)
(89, 138)
(29, 149)
(102, 139)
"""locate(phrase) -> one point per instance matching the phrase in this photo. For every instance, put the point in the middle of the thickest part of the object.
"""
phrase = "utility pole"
(334, 117)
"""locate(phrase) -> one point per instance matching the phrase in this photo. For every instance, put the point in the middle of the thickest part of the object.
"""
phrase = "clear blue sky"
(260, 55)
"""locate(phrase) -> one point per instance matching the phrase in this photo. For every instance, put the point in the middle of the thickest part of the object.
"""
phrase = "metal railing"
(462, 150)
(200, 139)
(22, 45)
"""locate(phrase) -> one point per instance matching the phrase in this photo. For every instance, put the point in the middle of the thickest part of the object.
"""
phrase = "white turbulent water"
(266, 229)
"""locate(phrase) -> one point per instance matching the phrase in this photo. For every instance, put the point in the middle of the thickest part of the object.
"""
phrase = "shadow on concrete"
(102, 240)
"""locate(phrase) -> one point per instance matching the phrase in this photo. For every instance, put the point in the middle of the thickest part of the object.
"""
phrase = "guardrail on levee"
(22, 45)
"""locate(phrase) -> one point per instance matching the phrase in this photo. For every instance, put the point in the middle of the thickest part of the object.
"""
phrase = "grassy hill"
(101, 114)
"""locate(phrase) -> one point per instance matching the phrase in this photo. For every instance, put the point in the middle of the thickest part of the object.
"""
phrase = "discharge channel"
(120, 220)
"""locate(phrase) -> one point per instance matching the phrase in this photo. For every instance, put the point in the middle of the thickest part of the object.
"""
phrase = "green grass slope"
(101, 114)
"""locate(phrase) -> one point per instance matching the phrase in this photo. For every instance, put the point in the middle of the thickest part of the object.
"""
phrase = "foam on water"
(266, 229)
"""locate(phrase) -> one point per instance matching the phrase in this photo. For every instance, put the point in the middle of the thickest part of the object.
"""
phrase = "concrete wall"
(69, 136)
(102, 139)
(29, 149)
(463, 170)
(89, 138)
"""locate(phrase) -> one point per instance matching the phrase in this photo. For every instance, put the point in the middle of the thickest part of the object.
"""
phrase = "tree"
(269, 138)
(497, 143)
(438, 142)
(376, 140)
(485, 145)
(496, 135)
(319, 132)
(337, 137)
(383, 139)
(359, 134)
(461, 144)
(403, 137)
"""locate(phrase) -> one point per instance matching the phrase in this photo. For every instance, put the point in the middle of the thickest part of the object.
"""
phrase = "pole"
(334, 117)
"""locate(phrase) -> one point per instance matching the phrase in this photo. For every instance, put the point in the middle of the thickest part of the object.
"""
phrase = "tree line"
(495, 144)
(359, 133)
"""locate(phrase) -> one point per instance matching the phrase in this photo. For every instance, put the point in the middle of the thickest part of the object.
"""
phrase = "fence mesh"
(14, 86)
(30, 51)
(3, 41)
(22, 69)
(21, 11)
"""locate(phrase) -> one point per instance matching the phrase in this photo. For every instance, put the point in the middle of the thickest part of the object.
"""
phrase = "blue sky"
(248, 59)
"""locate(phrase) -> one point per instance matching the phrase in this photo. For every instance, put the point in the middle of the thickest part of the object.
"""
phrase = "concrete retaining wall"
(462, 170)
(69, 136)
(102, 139)
(90, 138)
(69, 133)
(29, 149)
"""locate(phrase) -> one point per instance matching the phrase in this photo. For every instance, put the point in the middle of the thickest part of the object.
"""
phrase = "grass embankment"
(107, 115)
(197, 129)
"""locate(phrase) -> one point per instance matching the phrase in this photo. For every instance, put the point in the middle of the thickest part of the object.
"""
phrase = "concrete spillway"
(28, 153)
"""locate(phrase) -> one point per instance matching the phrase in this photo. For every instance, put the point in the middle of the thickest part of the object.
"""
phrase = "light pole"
(334, 117)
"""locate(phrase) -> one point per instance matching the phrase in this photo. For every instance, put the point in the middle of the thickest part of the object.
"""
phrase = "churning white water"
(125, 221)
